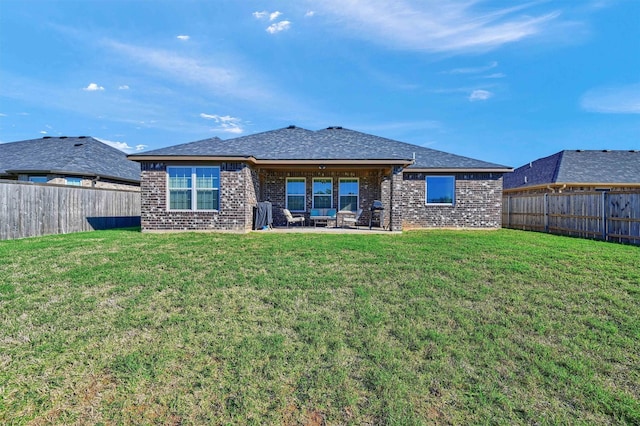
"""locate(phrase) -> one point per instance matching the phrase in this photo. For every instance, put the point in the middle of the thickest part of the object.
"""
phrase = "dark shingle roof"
(334, 143)
(68, 155)
(578, 166)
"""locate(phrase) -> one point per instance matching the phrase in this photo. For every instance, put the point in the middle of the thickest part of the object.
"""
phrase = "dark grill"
(377, 214)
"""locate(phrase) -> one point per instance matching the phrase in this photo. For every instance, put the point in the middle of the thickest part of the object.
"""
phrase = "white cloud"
(183, 37)
(43, 132)
(123, 87)
(122, 146)
(495, 75)
(273, 16)
(140, 147)
(613, 100)
(473, 70)
(93, 87)
(278, 26)
(226, 123)
(194, 71)
(2, 115)
(264, 14)
(309, 13)
(480, 95)
(439, 26)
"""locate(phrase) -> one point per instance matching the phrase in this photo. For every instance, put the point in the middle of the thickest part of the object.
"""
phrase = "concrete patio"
(327, 230)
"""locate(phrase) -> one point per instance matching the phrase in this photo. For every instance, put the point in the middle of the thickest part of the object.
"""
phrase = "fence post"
(546, 212)
(605, 235)
(509, 212)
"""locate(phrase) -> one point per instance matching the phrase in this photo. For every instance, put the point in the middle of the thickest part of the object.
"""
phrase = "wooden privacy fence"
(611, 216)
(29, 210)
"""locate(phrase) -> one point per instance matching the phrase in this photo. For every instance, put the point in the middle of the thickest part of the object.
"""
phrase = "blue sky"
(501, 81)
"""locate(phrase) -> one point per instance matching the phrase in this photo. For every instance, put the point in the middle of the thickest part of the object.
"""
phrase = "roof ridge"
(556, 171)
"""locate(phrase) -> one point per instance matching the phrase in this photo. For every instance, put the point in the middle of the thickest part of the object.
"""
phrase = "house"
(582, 193)
(215, 184)
(81, 161)
(577, 170)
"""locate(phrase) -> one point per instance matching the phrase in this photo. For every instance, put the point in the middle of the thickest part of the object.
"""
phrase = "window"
(322, 193)
(38, 179)
(440, 190)
(296, 194)
(75, 181)
(194, 188)
(348, 191)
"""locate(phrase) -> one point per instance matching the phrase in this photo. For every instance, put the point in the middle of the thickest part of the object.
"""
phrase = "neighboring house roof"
(334, 143)
(82, 156)
(578, 167)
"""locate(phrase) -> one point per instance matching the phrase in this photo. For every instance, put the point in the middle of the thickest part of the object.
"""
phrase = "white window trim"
(286, 190)
(340, 194)
(313, 195)
(426, 191)
(193, 189)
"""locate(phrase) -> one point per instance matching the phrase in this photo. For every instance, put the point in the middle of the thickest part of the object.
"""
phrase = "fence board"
(28, 209)
(613, 216)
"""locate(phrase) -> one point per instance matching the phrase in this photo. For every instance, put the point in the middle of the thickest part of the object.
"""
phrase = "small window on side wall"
(193, 188)
(440, 190)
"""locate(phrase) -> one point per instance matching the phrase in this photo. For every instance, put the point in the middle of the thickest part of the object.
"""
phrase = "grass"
(435, 327)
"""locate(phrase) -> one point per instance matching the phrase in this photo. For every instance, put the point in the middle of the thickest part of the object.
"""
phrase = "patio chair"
(293, 219)
(352, 220)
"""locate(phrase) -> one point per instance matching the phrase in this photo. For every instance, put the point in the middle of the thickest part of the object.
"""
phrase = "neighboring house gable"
(301, 170)
(578, 169)
(69, 160)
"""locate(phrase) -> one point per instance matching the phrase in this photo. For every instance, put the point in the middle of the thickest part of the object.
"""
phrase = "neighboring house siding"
(234, 202)
(478, 203)
(87, 182)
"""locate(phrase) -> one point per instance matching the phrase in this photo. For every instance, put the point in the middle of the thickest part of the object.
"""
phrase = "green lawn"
(433, 327)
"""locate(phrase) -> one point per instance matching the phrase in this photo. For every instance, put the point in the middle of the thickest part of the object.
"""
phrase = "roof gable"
(333, 143)
(68, 155)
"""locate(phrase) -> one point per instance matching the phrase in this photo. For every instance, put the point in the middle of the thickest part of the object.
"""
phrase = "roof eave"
(271, 162)
(140, 158)
(564, 185)
(460, 170)
(72, 173)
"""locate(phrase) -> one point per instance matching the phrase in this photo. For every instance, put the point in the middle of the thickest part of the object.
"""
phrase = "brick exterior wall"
(235, 202)
(397, 201)
(478, 199)
(274, 189)
(478, 203)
